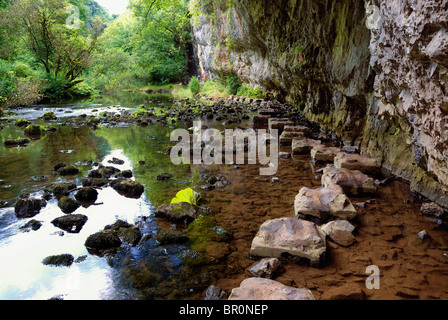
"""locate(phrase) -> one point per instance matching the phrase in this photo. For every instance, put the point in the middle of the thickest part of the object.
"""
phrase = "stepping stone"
(303, 146)
(266, 289)
(355, 161)
(279, 124)
(266, 268)
(303, 129)
(296, 237)
(321, 153)
(287, 137)
(340, 232)
(261, 119)
(353, 182)
(323, 202)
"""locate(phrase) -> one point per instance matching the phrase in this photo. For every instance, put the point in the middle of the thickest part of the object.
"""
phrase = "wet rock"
(261, 120)
(103, 172)
(287, 137)
(48, 116)
(34, 130)
(103, 240)
(353, 161)
(321, 153)
(296, 237)
(31, 225)
(284, 155)
(177, 212)
(116, 161)
(26, 208)
(266, 289)
(61, 189)
(434, 210)
(94, 182)
(217, 250)
(279, 124)
(68, 205)
(22, 123)
(86, 195)
(127, 187)
(303, 146)
(164, 176)
(266, 268)
(340, 232)
(170, 237)
(70, 223)
(16, 142)
(423, 234)
(124, 174)
(65, 260)
(131, 235)
(323, 202)
(353, 182)
(215, 293)
(67, 170)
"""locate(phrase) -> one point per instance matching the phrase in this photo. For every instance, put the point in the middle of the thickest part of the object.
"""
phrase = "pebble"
(422, 234)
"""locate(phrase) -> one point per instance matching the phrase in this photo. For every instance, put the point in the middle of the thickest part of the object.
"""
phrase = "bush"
(194, 85)
(56, 88)
(232, 85)
(80, 90)
(248, 91)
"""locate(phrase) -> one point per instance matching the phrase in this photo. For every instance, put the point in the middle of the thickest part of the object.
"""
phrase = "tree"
(63, 52)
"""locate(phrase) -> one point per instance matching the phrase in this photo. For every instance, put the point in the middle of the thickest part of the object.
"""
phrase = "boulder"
(353, 161)
(353, 182)
(26, 208)
(103, 240)
(68, 205)
(70, 223)
(296, 237)
(340, 232)
(94, 182)
(303, 146)
(128, 188)
(103, 172)
(321, 153)
(130, 235)
(267, 289)
(177, 212)
(323, 202)
(65, 260)
(86, 195)
(62, 189)
(31, 225)
(266, 268)
(67, 170)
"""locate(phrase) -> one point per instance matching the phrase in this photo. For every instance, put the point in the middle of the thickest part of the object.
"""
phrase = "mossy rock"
(61, 189)
(171, 237)
(86, 195)
(68, 170)
(103, 240)
(26, 208)
(130, 235)
(128, 187)
(16, 142)
(35, 130)
(68, 205)
(22, 123)
(48, 116)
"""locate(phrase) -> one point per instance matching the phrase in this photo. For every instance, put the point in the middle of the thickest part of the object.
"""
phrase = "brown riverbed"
(386, 236)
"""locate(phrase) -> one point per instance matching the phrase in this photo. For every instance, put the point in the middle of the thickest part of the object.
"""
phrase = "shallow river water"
(386, 230)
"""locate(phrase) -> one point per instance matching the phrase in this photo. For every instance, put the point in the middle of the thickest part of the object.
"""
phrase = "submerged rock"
(215, 293)
(171, 236)
(292, 236)
(70, 223)
(31, 225)
(266, 289)
(320, 153)
(177, 212)
(16, 142)
(26, 208)
(323, 202)
(352, 181)
(127, 187)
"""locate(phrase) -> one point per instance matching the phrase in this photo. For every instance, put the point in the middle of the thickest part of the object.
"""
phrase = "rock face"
(323, 202)
(266, 289)
(296, 237)
(352, 181)
(374, 73)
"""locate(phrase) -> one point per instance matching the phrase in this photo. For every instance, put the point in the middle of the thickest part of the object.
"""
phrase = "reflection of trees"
(149, 144)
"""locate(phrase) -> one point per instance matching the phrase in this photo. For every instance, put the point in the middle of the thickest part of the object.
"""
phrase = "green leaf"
(186, 195)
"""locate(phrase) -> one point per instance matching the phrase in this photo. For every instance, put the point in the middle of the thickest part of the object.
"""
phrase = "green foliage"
(232, 85)
(246, 90)
(186, 195)
(56, 88)
(194, 85)
(80, 90)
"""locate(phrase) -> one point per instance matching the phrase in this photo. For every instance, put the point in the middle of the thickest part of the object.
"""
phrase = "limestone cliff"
(373, 73)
